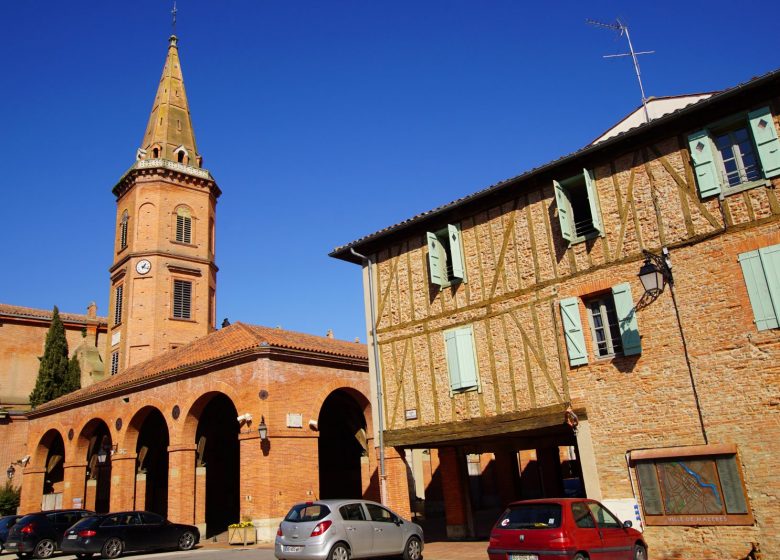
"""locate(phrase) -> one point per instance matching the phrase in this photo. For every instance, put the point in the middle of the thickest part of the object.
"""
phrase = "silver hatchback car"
(343, 529)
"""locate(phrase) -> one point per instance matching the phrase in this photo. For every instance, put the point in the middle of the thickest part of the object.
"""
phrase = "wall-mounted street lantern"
(10, 472)
(105, 452)
(262, 429)
(656, 272)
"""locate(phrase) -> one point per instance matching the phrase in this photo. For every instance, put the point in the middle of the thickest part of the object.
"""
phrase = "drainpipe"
(378, 371)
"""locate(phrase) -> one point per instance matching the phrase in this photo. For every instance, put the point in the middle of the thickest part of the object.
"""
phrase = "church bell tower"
(163, 276)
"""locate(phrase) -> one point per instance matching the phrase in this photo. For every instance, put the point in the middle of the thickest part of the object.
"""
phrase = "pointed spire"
(169, 133)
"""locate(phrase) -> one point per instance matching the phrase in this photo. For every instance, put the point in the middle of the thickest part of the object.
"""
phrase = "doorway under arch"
(95, 441)
(218, 451)
(341, 445)
(152, 461)
(51, 453)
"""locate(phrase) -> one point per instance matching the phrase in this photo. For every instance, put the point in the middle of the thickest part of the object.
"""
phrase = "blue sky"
(321, 121)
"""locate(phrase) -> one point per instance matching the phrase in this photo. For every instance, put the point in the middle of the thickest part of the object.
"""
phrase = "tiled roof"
(219, 345)
(42, 314)
(343, 251)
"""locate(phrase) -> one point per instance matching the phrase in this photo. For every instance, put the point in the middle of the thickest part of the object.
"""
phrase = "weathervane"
(618, 26)
(173, 13)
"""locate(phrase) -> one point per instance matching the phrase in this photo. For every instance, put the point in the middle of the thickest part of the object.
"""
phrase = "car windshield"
(307, 512)
(531, 516)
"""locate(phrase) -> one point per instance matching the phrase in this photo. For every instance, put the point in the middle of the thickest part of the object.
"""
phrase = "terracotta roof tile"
(30, 313)
(223, 343)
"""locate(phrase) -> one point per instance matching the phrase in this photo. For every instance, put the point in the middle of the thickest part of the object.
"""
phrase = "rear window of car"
(30, 518)
(531, 516)
(85, 523)
(307, 512)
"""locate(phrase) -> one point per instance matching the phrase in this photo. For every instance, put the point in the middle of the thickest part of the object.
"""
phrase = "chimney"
(92, 322)
(330, 333)
(92, 310)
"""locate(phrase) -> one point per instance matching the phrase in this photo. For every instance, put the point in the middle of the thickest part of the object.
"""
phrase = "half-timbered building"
(519, 349)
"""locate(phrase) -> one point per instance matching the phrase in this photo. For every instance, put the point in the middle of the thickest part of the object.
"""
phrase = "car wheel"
(339, 552)
(112, 548)
(640, 552)
(186, 540)
(44, 549)
(413, 549)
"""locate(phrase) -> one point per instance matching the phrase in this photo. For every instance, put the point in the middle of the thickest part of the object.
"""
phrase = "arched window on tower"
(183, 225)
(180, 157)
(123, 230)
(156, 153)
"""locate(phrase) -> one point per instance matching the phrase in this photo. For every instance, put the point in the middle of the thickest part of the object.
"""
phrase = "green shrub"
(9, 499)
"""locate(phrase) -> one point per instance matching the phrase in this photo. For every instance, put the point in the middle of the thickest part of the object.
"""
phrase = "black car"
(6, 523)
(39, 535)
(112, 534)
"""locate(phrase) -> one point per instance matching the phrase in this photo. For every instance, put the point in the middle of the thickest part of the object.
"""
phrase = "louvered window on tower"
(182, 299)
(183, 226)
(123, 230)
(114, 363)
(118, 297)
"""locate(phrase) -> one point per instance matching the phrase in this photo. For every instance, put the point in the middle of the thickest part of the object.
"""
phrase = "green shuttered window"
(761, 270)
(613, 325)
(445, 256)
(579, 213)
(461, 359)
(736, 152)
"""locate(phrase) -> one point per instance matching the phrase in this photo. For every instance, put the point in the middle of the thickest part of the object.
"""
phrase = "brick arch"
(362, 400)
(189, 428)
(41, 453)
(85, 432)
(131, 433)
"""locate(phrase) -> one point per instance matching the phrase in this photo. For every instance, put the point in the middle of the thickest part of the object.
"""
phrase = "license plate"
(74, 537)
(286, 548)
(10, 546)
(523, 557)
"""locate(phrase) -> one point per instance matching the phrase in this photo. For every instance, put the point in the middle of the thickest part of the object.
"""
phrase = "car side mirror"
(627, 524)
(398, 521)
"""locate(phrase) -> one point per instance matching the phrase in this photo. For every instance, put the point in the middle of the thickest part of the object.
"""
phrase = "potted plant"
(242, 533)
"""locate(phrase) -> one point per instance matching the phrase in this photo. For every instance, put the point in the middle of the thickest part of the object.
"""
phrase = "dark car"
(112, 534)
(563, 529)
(6, 523)
(39, 535)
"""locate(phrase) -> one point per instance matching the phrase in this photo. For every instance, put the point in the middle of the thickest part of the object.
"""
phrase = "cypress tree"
(74, 375)
(53, 375)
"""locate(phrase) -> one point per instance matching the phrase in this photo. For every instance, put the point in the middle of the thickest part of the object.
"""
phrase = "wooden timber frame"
(519, 267)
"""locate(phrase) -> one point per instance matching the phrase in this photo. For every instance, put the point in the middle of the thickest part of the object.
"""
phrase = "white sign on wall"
(294, 420)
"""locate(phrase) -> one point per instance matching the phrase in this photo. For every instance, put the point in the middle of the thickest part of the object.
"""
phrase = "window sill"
(182, 243)
(473, 388)
(452, 282)
(182, 319)
(583, 238)
(742, 187)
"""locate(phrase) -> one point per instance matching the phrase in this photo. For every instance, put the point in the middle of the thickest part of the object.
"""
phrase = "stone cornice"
(168, 169)
(164, 254)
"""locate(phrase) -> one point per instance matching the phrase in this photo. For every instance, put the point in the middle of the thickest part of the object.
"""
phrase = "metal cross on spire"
(618, 26)
(173, 13)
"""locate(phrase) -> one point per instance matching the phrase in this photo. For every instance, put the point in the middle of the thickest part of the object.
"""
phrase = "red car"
(563, 529)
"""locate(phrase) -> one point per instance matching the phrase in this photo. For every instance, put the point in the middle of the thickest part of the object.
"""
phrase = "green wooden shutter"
(458, 270)
(593, 200)
(626, 315)
(466, 357)
(461, 362)
(758, 290)
(707, 171)
(770, 259)
(572, 329)
(453, 366)
(765, 136)
(438, 275)
(564, 211)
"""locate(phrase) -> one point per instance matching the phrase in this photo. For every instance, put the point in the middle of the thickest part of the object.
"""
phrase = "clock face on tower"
(143, 266)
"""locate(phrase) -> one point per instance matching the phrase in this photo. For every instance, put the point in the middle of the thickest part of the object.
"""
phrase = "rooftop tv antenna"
(623, 29)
